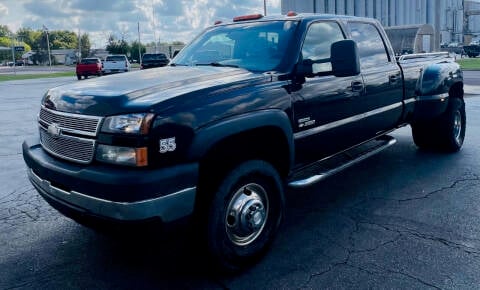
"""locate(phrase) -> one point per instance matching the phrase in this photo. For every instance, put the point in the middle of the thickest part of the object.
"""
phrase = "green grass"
(11, 77)
(469, 63)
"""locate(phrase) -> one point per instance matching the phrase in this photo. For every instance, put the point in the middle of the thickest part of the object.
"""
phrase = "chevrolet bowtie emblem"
(54, 130)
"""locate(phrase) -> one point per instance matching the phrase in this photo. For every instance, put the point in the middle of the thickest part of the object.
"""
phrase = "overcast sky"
(168, 20)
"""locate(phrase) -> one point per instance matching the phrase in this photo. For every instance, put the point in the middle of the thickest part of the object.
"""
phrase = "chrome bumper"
(168, 208)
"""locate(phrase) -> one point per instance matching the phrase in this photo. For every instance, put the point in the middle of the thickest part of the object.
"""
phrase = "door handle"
(393, 79)
(357, 86)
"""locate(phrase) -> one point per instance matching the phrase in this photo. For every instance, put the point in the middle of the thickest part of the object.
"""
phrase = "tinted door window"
(318, 40)
(370, 44)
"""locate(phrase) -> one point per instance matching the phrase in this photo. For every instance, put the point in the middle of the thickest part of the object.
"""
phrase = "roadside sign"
(19, 48)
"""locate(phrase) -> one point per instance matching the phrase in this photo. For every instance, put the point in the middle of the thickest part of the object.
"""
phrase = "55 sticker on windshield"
(167, 145)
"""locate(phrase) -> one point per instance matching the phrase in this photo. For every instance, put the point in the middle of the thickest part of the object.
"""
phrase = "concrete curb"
(471, 90)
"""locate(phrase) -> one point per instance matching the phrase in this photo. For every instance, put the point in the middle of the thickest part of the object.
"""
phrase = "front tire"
(245, 214)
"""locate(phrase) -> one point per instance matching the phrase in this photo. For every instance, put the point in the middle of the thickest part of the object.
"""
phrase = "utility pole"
(13, 55)
(48, 47)
(154, 28)
(265, 7)
(139, 46)
(465, 28)
(79, 55)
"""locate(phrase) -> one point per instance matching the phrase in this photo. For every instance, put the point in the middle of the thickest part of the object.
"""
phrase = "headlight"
(129, 124)
(122, 155)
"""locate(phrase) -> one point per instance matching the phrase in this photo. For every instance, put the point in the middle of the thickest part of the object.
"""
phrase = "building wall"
(446, 16)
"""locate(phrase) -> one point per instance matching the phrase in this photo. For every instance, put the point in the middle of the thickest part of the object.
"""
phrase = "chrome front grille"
(72, 123)
(67, 147)
(68, 136)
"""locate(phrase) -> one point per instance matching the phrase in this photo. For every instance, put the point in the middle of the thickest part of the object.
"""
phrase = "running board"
(331, 165)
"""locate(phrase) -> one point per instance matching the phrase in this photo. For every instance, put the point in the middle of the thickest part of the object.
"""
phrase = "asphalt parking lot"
(402, 219)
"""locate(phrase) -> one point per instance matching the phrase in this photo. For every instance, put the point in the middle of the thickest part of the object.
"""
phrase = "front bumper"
(117, 194)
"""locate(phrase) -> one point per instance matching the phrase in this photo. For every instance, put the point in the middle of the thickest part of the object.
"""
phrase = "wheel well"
(456, 91)
(267, 143)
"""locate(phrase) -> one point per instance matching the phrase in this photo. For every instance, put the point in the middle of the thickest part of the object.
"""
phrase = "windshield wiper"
(178, 64)
(217, 64)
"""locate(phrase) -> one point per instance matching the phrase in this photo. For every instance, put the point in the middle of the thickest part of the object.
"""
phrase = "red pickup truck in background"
(88, 67)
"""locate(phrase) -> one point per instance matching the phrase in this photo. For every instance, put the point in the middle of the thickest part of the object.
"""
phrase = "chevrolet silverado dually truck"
(244, 111)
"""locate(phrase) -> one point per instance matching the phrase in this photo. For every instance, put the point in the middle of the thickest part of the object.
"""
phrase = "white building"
(446, 16)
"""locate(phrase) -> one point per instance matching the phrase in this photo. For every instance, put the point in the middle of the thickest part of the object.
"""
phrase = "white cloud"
(168, 20)
(3, 10)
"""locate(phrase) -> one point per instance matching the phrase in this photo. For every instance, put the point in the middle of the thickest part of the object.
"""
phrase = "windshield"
(259, 46)
(116, 58)
(89, 61)
(159, 56)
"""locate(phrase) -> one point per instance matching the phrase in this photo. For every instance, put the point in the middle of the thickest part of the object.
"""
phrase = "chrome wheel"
(457, 127)
(246, 214)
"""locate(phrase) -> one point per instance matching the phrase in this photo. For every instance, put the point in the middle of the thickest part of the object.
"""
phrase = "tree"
(30, 37)
(134, 50)
(63, 39)
(40, 57)
(85, 45)
(115, 46)
(7, 54)
(5, 41)
(4, 31)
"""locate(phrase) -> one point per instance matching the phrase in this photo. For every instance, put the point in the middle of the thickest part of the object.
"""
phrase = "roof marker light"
(217, 22)
(247, 17)
(292, 13)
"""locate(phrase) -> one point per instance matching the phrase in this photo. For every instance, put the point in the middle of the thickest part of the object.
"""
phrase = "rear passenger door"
(382, 103)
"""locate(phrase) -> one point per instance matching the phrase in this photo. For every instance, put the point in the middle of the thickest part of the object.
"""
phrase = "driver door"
(324, 104)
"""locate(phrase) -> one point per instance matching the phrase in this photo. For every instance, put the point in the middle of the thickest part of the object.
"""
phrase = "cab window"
(371, 47)
(317, 43)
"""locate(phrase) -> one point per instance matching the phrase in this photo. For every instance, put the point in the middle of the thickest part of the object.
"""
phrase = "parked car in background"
(115, 63)
(151, 60)
(454, 44)
(89, 67)
(475, 42)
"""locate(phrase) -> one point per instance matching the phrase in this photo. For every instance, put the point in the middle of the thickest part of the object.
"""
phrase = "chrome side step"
(331, 165)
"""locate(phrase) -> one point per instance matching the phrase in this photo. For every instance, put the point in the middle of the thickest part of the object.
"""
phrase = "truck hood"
(139, 91)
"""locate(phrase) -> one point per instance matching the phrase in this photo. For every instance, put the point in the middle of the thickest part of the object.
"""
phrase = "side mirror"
(305, 68)
(344, 58)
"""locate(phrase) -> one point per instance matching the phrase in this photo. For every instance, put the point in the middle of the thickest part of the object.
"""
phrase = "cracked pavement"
(403, 219)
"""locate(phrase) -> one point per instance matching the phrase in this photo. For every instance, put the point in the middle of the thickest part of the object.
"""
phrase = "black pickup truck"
(247, 109)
